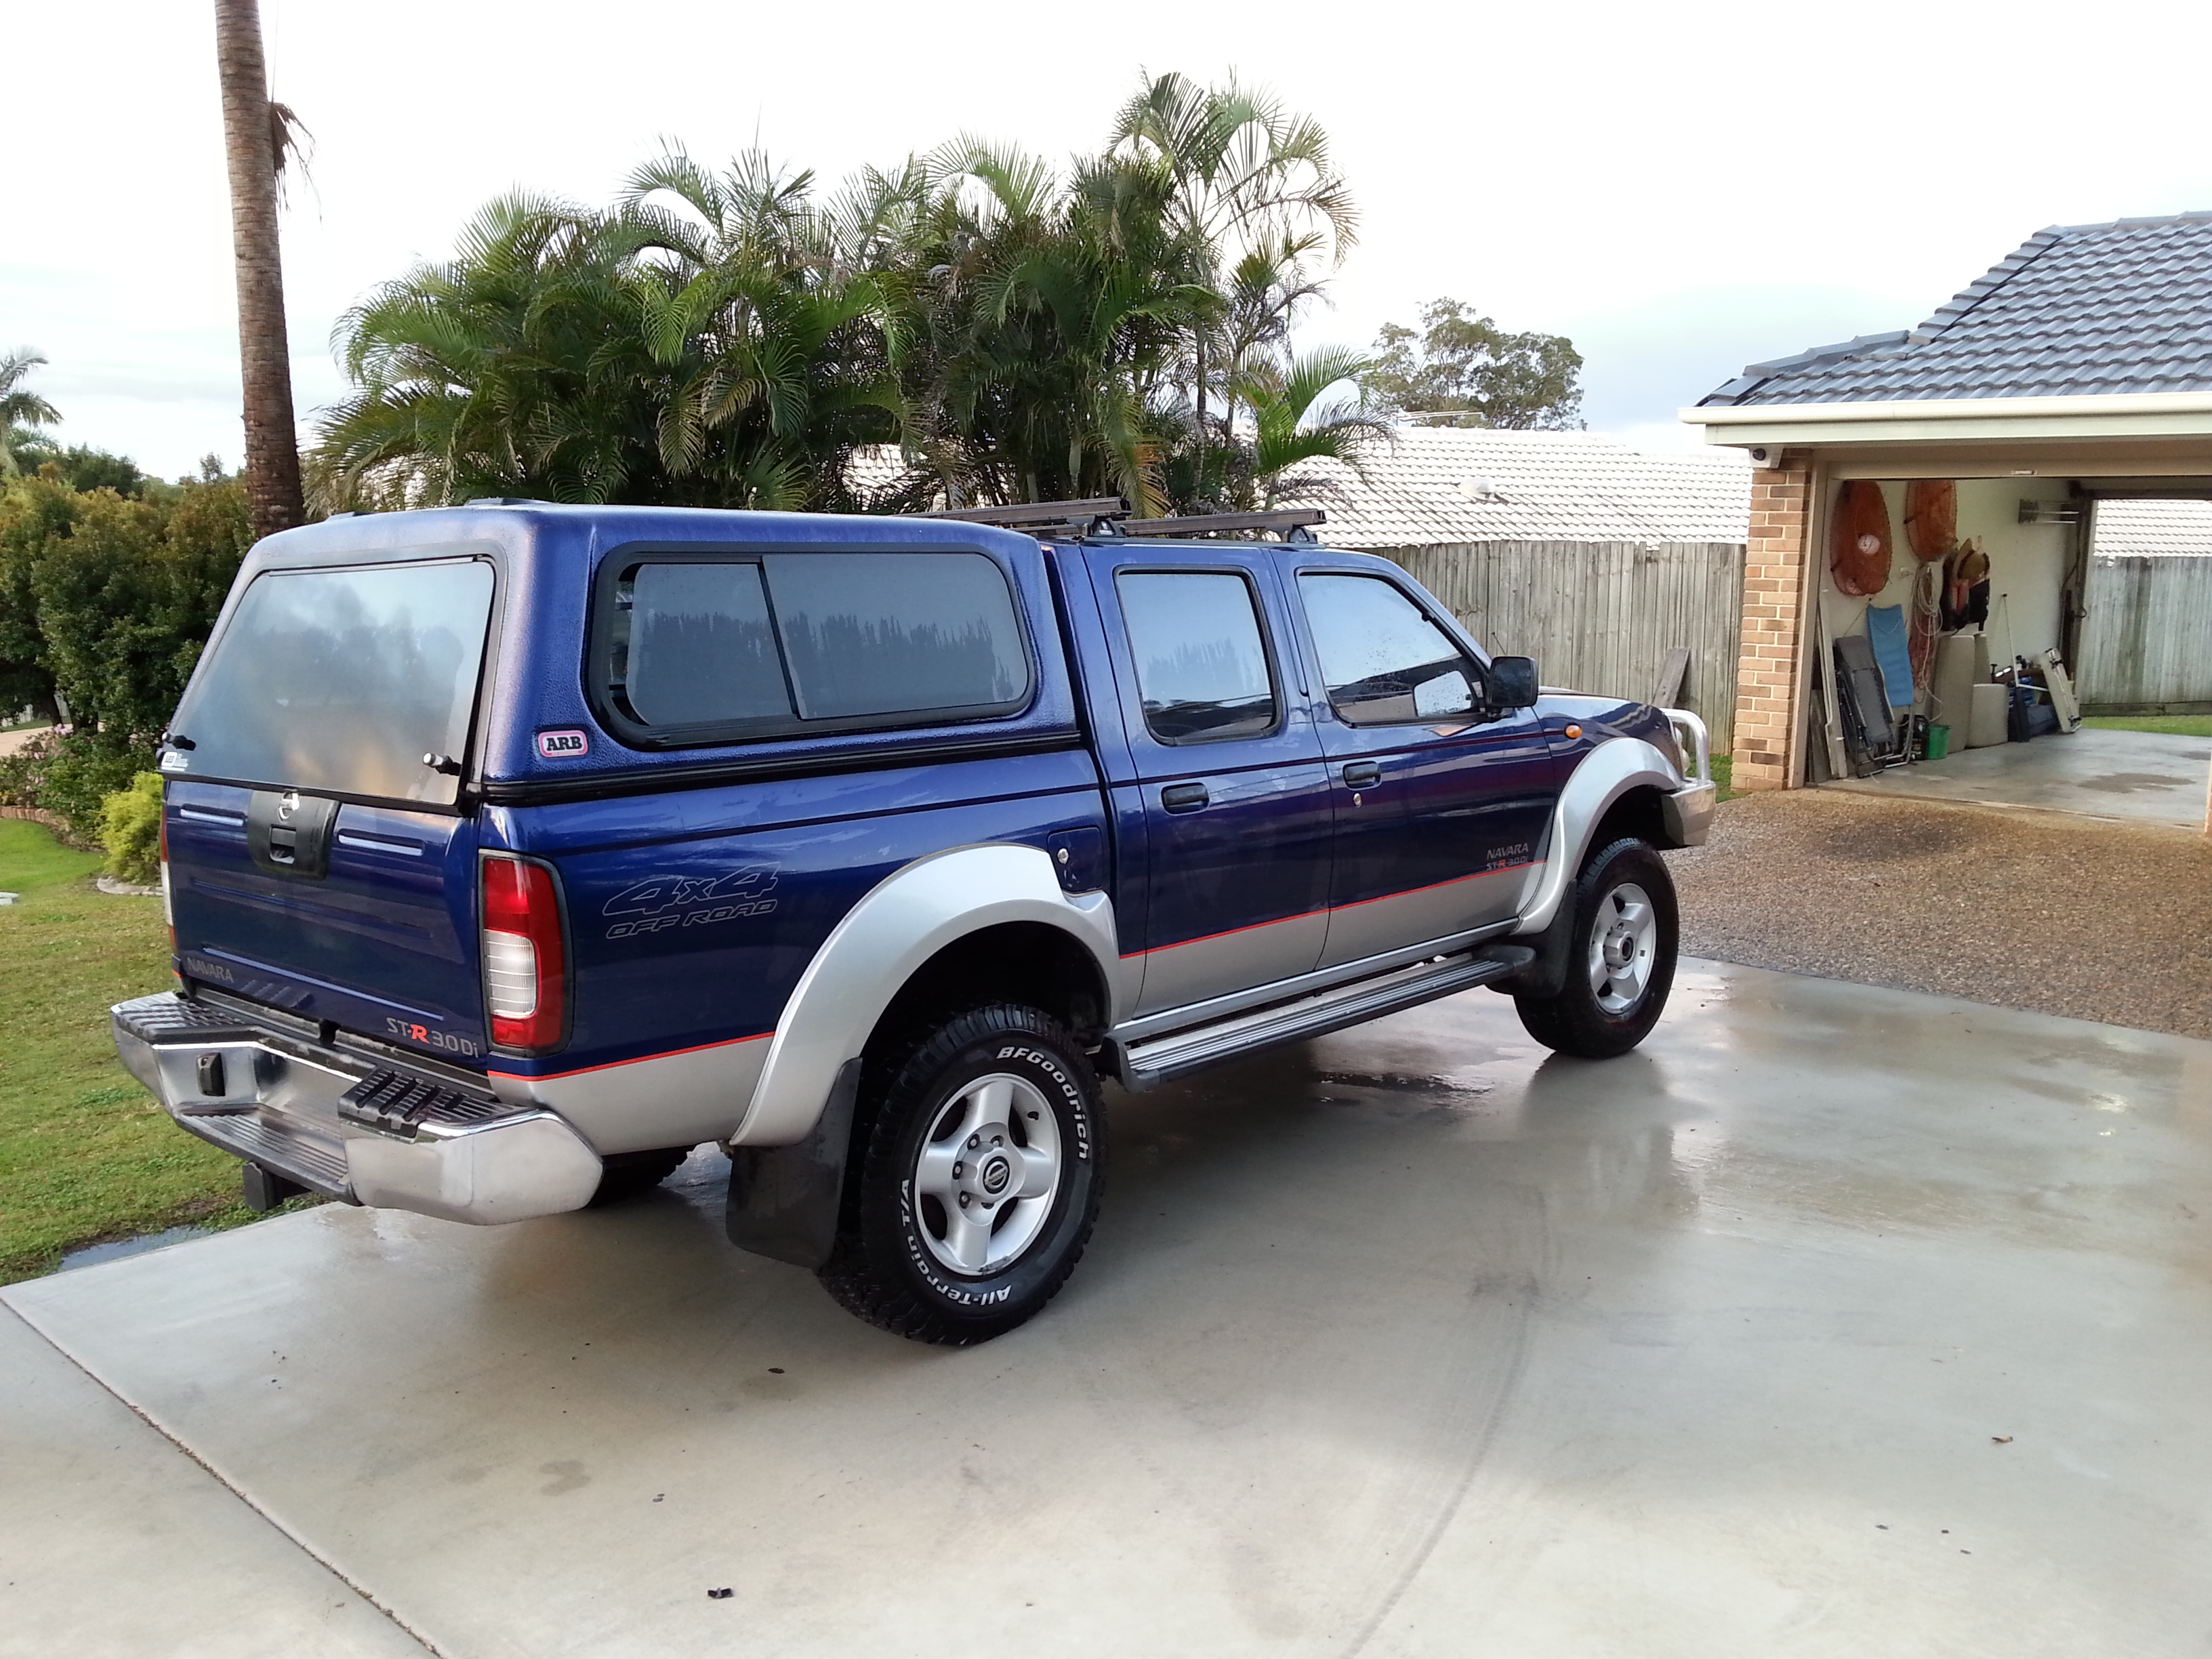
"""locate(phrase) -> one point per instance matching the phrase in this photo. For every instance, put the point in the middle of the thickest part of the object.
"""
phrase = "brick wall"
(1766, 707)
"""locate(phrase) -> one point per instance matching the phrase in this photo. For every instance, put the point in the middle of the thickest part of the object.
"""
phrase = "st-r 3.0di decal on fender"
(659, 903)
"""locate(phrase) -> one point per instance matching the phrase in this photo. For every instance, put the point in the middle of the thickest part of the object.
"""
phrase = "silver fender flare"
(905, 919)
(1604, 775)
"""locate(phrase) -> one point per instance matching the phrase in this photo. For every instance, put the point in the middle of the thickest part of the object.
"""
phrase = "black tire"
(893, 1261)
(632, 1174)
(1581, 1020)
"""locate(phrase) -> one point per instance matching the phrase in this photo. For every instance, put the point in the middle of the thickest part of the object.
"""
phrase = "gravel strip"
(2098, 920)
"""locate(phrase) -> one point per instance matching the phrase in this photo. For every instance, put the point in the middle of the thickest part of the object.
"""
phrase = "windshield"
(342, 681)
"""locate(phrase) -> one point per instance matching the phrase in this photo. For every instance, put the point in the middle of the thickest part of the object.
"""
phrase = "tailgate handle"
(1184, 797)
(289, 834)
(1363, 774)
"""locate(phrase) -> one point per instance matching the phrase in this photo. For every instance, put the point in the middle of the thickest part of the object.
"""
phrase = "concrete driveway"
(1839, 1320)
(2131, 777)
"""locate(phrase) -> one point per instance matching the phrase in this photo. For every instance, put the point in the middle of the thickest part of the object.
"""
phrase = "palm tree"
(1245, 177)
(255, 138)
(695, 346)
(1291, 425)
(21, 407)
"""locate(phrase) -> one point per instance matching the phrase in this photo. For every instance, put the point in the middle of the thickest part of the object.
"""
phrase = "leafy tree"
(82, 467)
(728, 339)
(634, 355)
(1253, 197)
(105, 604)
(20, 408)
(1466, 368)
(1292, 425)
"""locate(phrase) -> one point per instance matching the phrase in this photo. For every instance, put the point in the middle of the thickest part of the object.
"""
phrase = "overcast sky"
(1682, 189)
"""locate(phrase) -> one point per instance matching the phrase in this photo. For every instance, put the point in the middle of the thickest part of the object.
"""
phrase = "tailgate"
(321, 859)
(383, 942)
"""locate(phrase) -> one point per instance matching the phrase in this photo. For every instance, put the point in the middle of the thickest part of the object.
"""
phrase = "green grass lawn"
(85, 1154)
(2179, 725)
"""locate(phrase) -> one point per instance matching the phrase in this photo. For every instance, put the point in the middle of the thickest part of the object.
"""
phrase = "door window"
(1384, 662)
(1202, 672)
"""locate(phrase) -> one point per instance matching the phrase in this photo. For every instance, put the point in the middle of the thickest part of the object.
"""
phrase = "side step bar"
(1159, 1060)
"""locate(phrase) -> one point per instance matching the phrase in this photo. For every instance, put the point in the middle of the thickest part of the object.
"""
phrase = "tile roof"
(1434, 486)
(2153, 527)
(1440, 485)
(2077, 310)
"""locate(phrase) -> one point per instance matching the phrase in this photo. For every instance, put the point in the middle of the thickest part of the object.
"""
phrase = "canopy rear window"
(342, 681)
(703, 649)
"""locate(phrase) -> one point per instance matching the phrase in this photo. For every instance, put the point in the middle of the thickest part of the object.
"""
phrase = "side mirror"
(1512, 683)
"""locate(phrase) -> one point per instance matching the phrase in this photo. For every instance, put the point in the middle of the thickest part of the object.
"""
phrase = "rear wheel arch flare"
(1029, 964)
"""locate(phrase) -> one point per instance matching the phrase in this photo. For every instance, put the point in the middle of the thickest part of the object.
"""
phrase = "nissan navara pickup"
(512, 852)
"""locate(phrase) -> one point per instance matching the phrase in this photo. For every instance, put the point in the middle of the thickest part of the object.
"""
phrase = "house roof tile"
(2156, 528)
(2076, 310)
(1434, 486)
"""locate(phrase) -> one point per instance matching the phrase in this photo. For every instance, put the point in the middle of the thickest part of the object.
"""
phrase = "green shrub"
(130, 830)
(83, 770)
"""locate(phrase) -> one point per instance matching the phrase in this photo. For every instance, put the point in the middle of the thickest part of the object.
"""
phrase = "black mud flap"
(1546, 976)
(784, 1200)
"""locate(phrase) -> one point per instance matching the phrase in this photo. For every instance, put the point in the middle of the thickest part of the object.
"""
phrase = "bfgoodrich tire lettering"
(978, 1178)
(1620, 956)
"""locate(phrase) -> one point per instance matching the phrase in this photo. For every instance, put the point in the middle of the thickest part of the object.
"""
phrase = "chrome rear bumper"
(348, 1125)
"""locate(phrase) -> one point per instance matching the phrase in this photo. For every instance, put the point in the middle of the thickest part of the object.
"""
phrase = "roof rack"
(1293, 524)
(1027, 514)
(1108, 516)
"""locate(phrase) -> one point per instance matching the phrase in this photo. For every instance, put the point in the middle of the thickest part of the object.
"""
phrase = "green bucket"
(1939, 741)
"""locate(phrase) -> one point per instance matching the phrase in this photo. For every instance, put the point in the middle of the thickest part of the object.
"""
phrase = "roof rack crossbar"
(1037, 513)
(1289, 522)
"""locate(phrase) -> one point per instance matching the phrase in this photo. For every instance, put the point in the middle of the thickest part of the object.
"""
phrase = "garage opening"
(2020, 640)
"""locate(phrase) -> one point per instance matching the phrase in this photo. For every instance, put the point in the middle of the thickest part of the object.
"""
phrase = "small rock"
(722, 1595)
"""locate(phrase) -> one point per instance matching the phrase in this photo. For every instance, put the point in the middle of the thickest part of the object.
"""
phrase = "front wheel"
(979, 1178)
(1620, 956)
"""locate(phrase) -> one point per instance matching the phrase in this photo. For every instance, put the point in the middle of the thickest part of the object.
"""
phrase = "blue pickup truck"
(511, 852)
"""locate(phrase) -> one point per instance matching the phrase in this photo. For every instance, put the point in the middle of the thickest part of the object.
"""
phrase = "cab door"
(1441, 804)
(1226, 767)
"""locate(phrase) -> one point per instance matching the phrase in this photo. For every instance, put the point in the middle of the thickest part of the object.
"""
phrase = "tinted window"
(701, 646)
(1382, 660)
(756, 646)
(342, 681)
(896, 633)
(1202, 666)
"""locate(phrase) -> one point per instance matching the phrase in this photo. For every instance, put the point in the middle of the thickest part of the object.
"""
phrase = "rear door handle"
(1184, 797)
(1362, 775)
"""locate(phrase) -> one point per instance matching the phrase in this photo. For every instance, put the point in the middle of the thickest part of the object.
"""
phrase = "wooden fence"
(1601, 617)
(2147, 639)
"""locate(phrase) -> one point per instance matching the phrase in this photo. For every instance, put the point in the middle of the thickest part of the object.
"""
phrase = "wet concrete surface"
(2137, 777)
(1837, 1320)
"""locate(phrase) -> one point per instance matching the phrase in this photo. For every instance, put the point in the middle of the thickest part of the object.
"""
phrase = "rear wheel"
(1620, 956)
(978, 1178)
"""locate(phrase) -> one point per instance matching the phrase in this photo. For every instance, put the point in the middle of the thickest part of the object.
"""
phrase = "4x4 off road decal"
(659, 903)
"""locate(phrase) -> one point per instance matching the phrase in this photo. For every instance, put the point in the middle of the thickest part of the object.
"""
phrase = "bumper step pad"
(398, 1104)
(165, 1017)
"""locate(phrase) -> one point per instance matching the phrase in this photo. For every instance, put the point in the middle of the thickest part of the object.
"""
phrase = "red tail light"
(525, 972)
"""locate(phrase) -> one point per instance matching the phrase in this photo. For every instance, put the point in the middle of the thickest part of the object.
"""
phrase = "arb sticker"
(562, 745)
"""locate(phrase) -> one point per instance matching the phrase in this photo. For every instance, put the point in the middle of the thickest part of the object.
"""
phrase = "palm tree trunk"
(272, 450)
